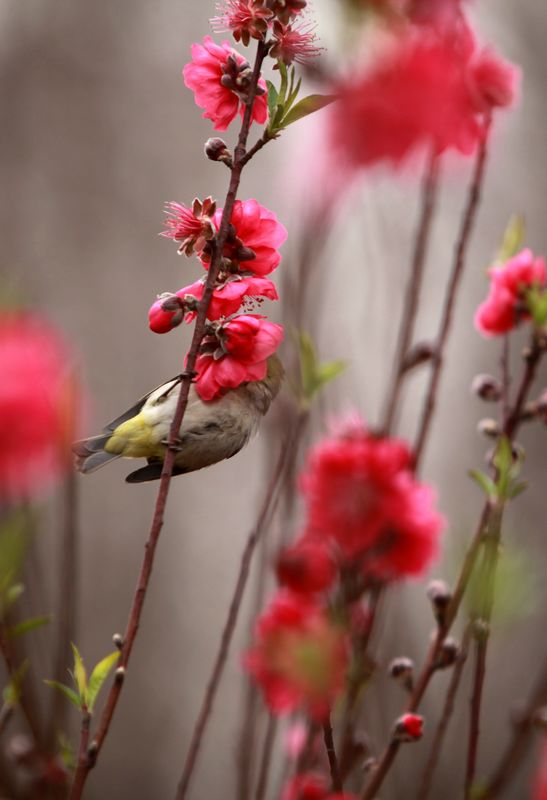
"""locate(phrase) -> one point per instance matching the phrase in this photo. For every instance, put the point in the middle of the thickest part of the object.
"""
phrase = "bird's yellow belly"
(135, 439)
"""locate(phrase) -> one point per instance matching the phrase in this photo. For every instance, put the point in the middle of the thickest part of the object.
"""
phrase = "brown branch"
(468, 221)
(83, 755)
(413, 288)
(336, 781)
(268, 507)
(266, 759)
(161, 501)
(442, 727)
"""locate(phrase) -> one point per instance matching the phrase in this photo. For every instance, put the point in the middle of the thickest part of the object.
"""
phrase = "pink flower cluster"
(368, 520)
(311, 786)
(429, 87)
(38, 402)
(507, 303)
(238, 348)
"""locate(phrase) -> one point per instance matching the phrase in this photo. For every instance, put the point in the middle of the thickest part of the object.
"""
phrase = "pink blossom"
(286, 10)
(192, 227)
(425, 90)
(219, 77)
(306, 567)
(246, 343)
(38, 404)
(294, 43)
(229, 296)
(299, 657)
(506, 304)
(361, 495)
(245, 18)
(257, 229)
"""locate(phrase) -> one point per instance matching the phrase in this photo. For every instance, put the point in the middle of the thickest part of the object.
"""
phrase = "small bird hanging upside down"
(210, 432)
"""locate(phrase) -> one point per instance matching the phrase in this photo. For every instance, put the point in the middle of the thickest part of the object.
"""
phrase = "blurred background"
(98, 132)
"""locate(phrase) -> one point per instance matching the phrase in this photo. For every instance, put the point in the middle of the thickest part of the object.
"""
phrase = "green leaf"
(517, 488)
(80, 674)
(484, 481)
(27, 625)
(536, 300)
(328, 371)
(12, 691)
(308, 105)
(314, 375)
(284, 82)
(98, 677)
(67, 691)
(513, 238)
(272, 98)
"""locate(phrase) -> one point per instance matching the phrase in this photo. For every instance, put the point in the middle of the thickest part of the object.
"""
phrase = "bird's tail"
(90, 453)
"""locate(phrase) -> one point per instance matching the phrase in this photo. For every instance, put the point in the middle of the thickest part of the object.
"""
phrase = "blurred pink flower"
(539, 791)
(254, 228)
(38, 406)
(294, 43)
(229, 297)
(219, 77)
(306, 567)
(425, 90)
(246, 343)
(506, 304)
(299, 657)
(361, 495)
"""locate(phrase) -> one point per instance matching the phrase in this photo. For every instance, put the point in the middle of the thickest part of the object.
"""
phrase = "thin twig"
(336, 781)
(516, 749)
(413, 288)
(83, 749)
(442, 727)
(84, 767)
(266, 760)
(268, 507)
(468, 221)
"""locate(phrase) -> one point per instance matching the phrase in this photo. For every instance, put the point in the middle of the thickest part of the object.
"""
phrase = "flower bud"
(408, 728)
(166, 313)
(402, 670)
(488, 427)
(449, 654)
(486, 387)
(118, 640)
(439, 594)
(217, 150)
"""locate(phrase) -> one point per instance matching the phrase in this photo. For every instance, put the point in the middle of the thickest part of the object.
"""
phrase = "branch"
(157, 522)
(413, 288)
(468, 221)
(336, 781)
(266, 759)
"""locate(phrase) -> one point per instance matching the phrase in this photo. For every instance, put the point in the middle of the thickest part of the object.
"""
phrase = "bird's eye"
(161, 399)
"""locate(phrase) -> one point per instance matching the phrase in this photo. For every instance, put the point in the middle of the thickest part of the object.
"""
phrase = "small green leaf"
(12, 691)
(484, 481)
(284, 82)
(513, 238)
(517, 488)
(306, 106)
(536, 300)
(272, 98)
(80, 674)
(67, 691)
(98, 677)
(67, 753)
(328, 371)
(13, 594)
(27, 625)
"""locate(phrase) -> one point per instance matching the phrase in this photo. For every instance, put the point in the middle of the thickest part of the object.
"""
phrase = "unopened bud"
(118, 640)
(408, 728)
(486, 387)
(488, 427)
(402, 670)
(217, 150)
(481, 629)
(448, 654)
(93, 749)
(119, 674)
(419, 354)
(439, 595)
(370, 764)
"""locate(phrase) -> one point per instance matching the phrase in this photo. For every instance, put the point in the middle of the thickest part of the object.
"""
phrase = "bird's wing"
(134, 410)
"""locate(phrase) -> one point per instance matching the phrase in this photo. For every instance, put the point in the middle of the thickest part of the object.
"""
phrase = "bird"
(210, 431)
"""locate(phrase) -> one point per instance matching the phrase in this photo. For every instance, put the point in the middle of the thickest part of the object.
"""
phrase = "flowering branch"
(468, 221)
(157, 523)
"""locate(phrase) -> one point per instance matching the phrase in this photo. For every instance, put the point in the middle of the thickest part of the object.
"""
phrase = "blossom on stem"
(192, 227)
(245, 18)
(294, 44)
(306, 567)
(38, 404)
(165, 313)
(426, 90)
(409, 728)
(253, 241)
(230, 295)
(361, 495)
(220, 78)
(285, 10)
(507, 302)
(299, 657)
(236, 354)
